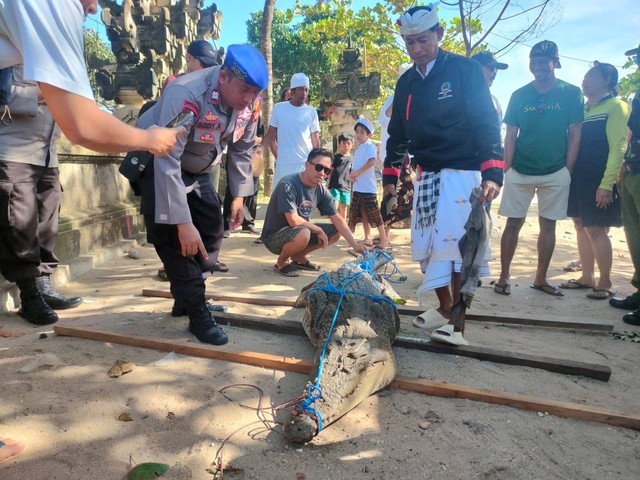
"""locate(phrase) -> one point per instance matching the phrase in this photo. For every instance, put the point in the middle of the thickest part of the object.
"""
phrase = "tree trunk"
(267, 95)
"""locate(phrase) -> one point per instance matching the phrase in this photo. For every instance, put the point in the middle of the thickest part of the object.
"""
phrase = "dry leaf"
(120, 368)
(125, 417)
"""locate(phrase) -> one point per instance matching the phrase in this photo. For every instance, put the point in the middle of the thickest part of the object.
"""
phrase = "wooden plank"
(429, 387)
(282, 301)
(568, 367)
(522, 402)
(537, 321)
(198, 350)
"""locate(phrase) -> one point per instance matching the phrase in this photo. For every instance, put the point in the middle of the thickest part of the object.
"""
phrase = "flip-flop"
(306, 266)
(220, 267)
(502, 288)
(573, 267)
(605, 293)
(574, 285)
(10, 449)
(548, 289)
(429, 320)
(446, 334)
(287, 270)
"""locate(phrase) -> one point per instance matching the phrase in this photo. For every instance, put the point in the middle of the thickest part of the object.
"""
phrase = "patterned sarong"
(437, 229)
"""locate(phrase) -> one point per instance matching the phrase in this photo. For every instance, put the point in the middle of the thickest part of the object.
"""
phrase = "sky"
(587, 30)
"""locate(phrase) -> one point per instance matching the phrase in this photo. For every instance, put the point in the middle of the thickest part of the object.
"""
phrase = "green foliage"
(148, 471)
(290, 53)
(630, 84)
(97, 54)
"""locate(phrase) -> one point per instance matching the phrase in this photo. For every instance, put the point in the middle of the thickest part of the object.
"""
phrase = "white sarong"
(435, 246)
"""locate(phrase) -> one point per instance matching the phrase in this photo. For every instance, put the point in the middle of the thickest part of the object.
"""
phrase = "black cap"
(633, 51)
(203, 51)
(488, 59)
(547, 49)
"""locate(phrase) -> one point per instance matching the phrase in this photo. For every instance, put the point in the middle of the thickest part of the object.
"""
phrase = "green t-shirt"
(543, 120)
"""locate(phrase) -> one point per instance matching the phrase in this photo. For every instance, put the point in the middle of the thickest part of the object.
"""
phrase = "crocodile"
(358, 360)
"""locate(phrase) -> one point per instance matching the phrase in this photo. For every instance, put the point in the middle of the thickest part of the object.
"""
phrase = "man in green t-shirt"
(540, 148)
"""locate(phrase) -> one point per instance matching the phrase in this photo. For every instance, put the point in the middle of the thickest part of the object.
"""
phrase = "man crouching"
(287, 231)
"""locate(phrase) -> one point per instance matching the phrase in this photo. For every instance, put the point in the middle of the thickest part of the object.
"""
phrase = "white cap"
(366, 123)
(422, 20)
(299, 80)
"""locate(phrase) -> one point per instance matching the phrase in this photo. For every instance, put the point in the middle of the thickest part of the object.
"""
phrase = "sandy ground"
(67, 413)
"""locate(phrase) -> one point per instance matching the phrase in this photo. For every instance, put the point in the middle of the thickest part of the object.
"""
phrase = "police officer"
(29, 198)
(180, 206)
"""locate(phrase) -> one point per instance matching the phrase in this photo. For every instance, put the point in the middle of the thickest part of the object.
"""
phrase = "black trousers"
(29, 213)
(185, 273)
(250, 206)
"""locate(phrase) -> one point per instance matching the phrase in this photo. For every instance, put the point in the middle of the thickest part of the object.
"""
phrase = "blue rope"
(314, 392)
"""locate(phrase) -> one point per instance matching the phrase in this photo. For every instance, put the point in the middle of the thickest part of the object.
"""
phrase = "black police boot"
(34, 308)
(56, 300)
(179, 309)
(628, 303)
(632, 318)
(204, 327)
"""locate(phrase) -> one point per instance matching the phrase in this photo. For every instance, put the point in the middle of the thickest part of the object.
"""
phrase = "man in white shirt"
(47, 37)
(294, 130)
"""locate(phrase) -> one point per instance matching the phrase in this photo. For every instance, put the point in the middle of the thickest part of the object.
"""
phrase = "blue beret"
(248, 64)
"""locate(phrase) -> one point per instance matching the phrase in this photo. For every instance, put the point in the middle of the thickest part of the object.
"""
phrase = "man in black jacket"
(443, 111)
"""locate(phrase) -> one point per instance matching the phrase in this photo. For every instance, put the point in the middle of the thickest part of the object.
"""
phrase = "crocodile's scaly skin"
(359, 360)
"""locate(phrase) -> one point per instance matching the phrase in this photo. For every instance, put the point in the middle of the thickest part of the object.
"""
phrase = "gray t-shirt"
(293, 196)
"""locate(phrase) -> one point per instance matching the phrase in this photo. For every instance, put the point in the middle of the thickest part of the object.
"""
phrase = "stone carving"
(149, 39)
(348, 90)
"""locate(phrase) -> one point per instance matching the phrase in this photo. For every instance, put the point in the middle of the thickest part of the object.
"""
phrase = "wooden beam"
(429, 387)
(282, 301)
(569, 367)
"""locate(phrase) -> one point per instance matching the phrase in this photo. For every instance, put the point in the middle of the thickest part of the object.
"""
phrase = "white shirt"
(383, 121)
(47, 37)
(366, 182)
(295, 126)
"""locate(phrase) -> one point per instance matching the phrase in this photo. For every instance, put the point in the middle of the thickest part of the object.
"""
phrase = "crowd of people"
(442, 117)
(582, 160)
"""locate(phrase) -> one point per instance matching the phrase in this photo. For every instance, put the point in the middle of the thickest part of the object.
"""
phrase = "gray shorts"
(277, 240)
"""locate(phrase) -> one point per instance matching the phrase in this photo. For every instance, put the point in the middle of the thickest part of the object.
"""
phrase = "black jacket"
(447, 120)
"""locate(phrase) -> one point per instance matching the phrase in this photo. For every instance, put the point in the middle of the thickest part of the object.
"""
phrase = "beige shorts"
(552, 191)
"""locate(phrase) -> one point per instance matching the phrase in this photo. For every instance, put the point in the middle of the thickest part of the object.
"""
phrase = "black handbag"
(134, 164)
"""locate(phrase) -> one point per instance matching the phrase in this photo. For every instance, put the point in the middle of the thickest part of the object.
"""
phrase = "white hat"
(365, 123)
(299, 80)
(422, 19)
(403, 68)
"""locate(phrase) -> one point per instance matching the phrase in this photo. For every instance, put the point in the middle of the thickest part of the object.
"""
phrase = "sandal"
(574, 285)
(548, 289)
(288, 270)
(502, 288)
(601, 293)
(220, 267)
(573, 267)
(305, 266)
(10, 449)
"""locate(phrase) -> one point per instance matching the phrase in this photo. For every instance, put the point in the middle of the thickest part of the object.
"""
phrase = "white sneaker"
(226, 234)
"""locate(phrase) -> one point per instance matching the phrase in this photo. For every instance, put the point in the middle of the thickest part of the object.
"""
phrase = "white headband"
(421, 21)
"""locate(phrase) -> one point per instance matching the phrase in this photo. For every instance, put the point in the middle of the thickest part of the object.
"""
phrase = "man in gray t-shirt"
(287, 231)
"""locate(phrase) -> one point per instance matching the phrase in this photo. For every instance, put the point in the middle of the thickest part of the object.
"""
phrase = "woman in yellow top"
(594, 203)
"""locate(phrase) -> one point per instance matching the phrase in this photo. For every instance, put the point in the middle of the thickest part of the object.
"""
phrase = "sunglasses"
(320, 168)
